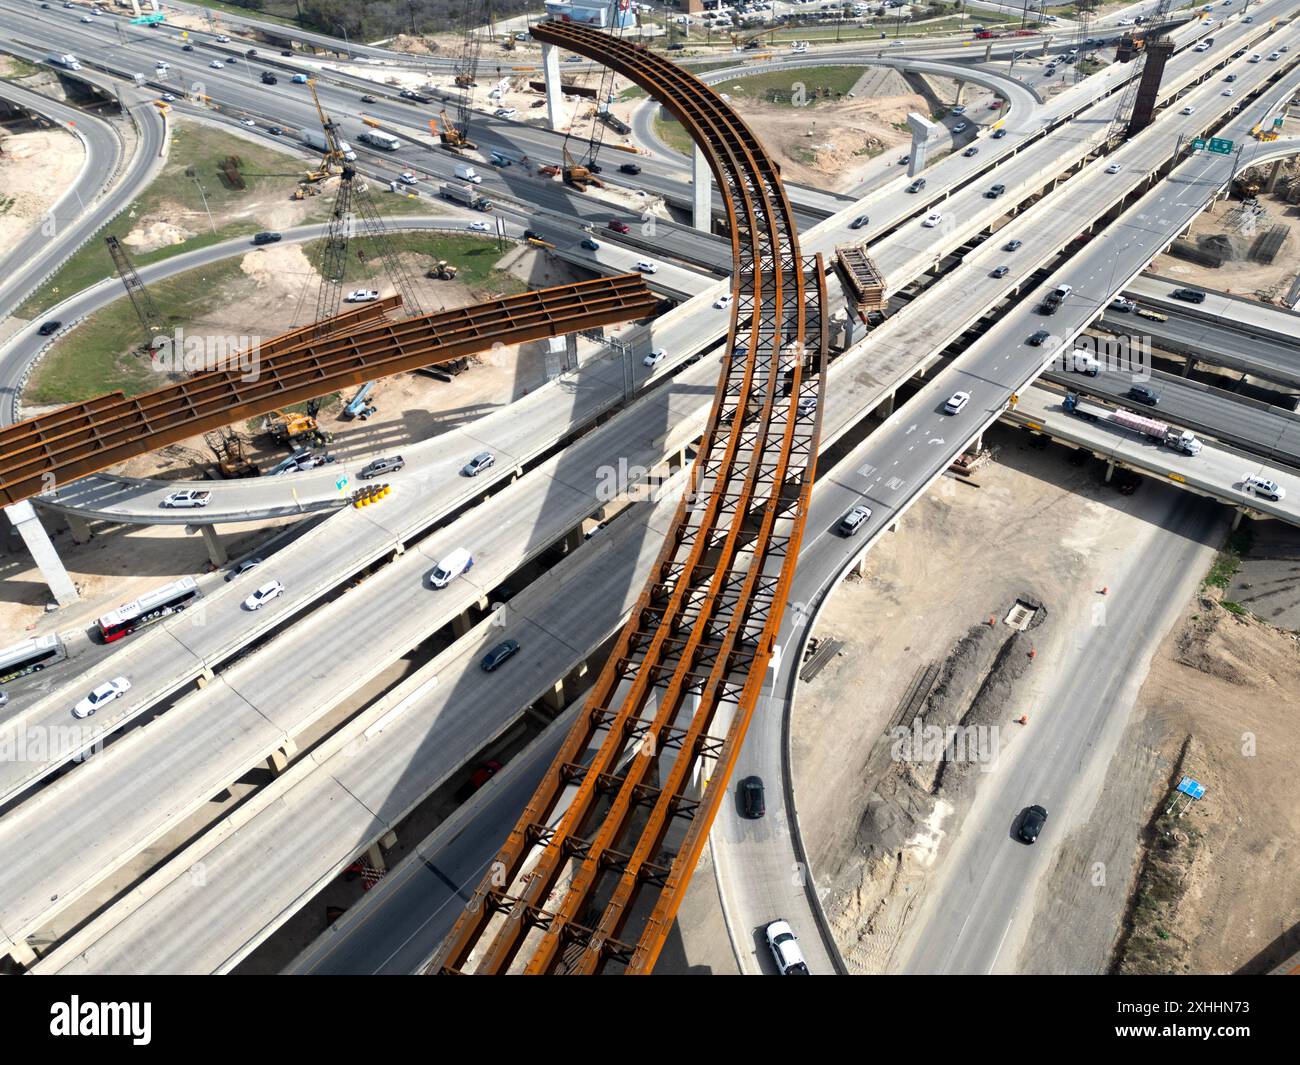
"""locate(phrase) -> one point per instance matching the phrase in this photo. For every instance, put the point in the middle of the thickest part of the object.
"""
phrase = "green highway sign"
(1220, 146)
(1198, 144)
(1277, 122)
(145, 20)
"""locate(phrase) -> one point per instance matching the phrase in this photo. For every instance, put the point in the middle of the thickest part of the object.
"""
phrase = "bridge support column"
(860, 568)
(205, 678)
(216, 549)
(988, 52)
(80, 528)
(976, 445)
(461, 624)
(279, 758)
(1110, 470)
(553, 698)
(1236, 518)
(23, 518)
(886, 408)
(701, 192)
(22, 954)
(375, 858)
(1188, 366)
(1271, 183)
(554, 91)
(921, 128)
(573, 539)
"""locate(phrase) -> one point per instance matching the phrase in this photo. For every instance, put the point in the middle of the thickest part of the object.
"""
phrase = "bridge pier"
(921, 128)
(1110, 469)
(701, 191)
(1236, 517)
(1189, 365)
(80, 528)
(1270, 183)
(554, 90)
(216, 549)
(278, 760)
(23, 517)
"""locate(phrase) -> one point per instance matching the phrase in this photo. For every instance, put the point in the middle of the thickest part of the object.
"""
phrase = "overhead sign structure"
(146, 20)
(1198, 144)
(1220, 146)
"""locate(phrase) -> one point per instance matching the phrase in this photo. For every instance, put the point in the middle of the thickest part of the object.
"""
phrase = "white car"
(105, 693)
(168, 98)
(957, 403)
(270, 590)
(478, 227)
(1114, 168)
(723, 301)
(216, 64)
(505, 112)
(785, 950)
(407, 178)
(1189, 109)
(1125, 22)
(655, 357)
(1262, 487)
(646, 266)
(959, 110)
(1226, 92)
(932, 219)
(223, 38)
(191, 497)
(248, 122)
(960, 127)
(86, 18)
(808, 404)
(362, 295)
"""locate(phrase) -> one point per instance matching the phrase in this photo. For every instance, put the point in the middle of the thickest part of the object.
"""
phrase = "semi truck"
(465, 194)
(317, 140)
(1168, 435)
(466, 172)
(379, 139)
(67, 61)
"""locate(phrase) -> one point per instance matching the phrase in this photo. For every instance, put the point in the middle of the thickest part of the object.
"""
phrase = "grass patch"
(18, 68)
(281, 11)
(1229, 561)
(473, 256)
(1234, 608)
(671, 132)
(795, 88)
(90, 361)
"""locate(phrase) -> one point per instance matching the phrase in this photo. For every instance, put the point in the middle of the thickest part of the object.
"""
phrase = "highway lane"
(104, 152)
(894, 466)
(1246, 316)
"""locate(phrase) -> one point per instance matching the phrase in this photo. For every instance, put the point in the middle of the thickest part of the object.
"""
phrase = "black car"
(676, 46)
(49, 327)
(275, 131)
(972, 150)
(995, 192)
(1143, 394)
(629, 168)
(1032, 823)
(999, 133)
(252, 52)
(388, 465)
(1036, 338)
(187, 48)
(1188, 295)
(752, 803)
(1000, 271)
(499, 654)
(532, 234)
(1048, 307)
(266, 238)
(859, 222)
(269, 79)
(917, 185)
(286, 53)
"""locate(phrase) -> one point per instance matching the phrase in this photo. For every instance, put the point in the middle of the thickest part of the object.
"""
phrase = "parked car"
(753, 804)
(501, 653)
(100, 696)
(379, 467)
(785, 950)
(1262, 487)
(50, 327)
(266, 238)
(1031, 823)
(190, 497)
(484, 460)
(362, 295)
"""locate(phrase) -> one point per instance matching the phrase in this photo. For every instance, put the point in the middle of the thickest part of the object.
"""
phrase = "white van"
(451, 567)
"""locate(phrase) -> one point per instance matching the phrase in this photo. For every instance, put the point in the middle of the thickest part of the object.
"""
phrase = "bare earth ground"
(36, 168)
(1269, 283)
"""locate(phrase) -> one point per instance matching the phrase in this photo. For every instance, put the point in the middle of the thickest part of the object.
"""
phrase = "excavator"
(295, 428)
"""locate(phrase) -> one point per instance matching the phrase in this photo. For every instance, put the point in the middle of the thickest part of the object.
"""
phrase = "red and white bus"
(153, 606)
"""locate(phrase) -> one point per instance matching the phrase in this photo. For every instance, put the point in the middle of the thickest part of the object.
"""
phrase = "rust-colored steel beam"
(562, 893)
(42, 453)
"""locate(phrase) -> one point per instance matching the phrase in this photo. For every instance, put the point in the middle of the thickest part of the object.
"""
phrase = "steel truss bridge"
(595, 869)
(359, 345)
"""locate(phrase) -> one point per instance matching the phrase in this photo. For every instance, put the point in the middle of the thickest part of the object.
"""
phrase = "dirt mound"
(1218, 642)
(149, 236)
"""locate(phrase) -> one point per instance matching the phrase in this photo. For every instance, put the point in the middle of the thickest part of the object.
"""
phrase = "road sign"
(1198, 144)
(1220, 146)
(1277, 122)
(341, 483)
(145, 20)
(1191, 787)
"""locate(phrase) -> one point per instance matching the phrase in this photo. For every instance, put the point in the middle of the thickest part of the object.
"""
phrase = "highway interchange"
(214, 734)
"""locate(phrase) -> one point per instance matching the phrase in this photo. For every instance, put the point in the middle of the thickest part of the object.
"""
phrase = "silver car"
(480, 462)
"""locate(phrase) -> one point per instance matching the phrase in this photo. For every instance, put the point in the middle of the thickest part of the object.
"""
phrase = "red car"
(484, 773)
(617, 226)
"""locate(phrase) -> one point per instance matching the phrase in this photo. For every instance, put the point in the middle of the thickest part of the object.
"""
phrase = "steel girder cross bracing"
(40, 454)
(592, 875)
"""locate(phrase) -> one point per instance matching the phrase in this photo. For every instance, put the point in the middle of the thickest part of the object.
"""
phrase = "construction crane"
(352, 201)
(466, 72)
(579, 177)
(452, 137)
(145, 308)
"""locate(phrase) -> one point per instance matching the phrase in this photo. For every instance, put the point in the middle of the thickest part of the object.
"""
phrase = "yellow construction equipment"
(294, 428)
(450, 136)
(442, 271)
(580, 177)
